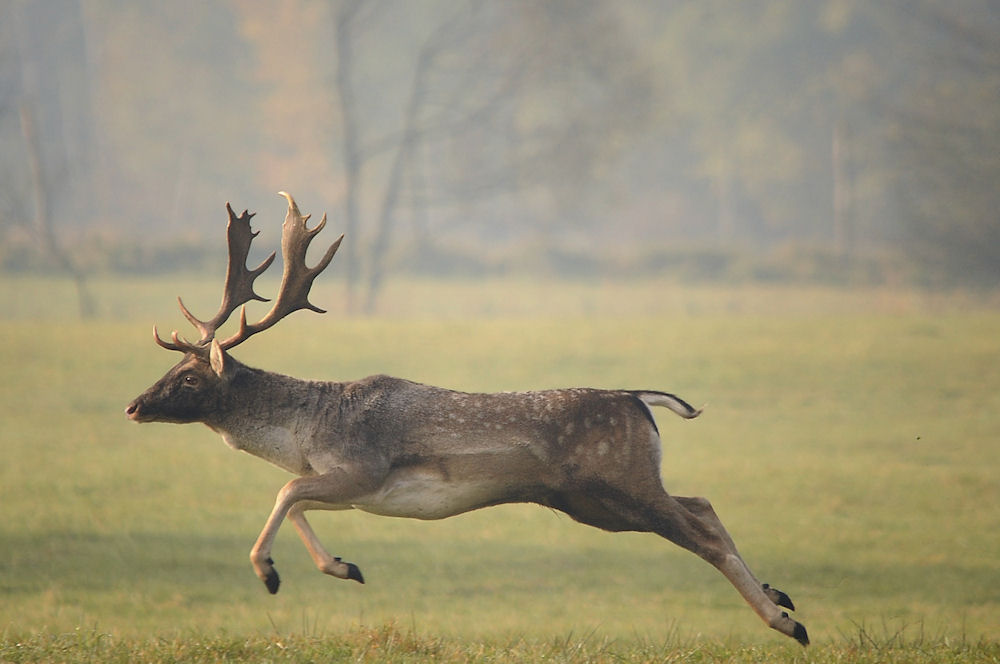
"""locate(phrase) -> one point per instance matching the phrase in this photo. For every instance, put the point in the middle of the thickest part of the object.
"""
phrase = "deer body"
(430, 452)
(394, 447)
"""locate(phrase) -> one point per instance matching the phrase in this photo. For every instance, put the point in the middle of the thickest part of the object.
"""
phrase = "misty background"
(832, 141)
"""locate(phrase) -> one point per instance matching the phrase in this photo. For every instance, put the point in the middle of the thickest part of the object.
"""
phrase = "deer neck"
(269, 416)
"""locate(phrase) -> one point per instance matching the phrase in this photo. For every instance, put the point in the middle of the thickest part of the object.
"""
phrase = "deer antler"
(296, 280)
(239, 280)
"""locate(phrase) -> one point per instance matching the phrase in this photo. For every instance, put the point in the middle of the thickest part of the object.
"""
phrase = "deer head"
(192, 389)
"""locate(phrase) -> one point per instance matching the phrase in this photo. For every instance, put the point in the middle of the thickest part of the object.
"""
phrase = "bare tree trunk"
(411, 135)
(725, 215)
(43, 223)
(843, 224)
(351, 150)
(394, 184)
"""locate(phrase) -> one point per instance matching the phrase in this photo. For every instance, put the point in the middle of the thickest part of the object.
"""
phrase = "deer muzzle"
(134, 411)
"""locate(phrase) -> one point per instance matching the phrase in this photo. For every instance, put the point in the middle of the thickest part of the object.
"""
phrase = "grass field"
(851, 444)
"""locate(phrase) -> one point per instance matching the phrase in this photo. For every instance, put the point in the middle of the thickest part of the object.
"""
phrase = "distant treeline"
(541, 132)
(790, 263)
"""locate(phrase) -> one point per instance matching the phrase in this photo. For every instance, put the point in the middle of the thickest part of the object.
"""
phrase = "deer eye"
(191, 380)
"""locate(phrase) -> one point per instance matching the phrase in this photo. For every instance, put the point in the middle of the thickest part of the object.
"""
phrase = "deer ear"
(217, 358)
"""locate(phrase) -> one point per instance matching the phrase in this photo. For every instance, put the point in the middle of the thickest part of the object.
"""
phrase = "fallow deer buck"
(397, 448)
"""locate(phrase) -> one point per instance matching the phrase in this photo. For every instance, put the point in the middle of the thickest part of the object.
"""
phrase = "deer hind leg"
(702, 509)
(692, 524)
(332, 490)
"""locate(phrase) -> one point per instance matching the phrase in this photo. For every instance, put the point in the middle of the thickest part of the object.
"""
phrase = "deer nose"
(132, 410)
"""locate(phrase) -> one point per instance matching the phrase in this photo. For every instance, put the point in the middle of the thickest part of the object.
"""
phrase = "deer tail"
(671, 401)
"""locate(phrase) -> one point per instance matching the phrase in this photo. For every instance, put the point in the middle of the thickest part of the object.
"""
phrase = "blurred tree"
(46, 122)
(946, 135)
(757, 96)
(445, 127)
(498, 98)
(181, 130)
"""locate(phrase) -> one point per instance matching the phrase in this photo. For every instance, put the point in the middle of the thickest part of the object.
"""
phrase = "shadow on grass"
(88, 561)
(32, 563)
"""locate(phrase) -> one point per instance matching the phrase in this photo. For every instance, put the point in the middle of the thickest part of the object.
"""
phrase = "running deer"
(393, 447)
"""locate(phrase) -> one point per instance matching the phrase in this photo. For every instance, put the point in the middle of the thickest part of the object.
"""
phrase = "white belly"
(425, 494)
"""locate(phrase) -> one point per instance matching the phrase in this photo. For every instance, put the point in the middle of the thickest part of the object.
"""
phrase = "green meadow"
(850, 443)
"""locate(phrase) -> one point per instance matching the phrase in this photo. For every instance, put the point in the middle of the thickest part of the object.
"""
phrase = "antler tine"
(178, 344)
(239, 279)
(296, 278)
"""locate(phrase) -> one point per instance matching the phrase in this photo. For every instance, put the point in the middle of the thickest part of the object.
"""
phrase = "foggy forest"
(839, 141)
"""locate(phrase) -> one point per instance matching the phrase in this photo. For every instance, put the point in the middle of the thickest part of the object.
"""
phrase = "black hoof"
(354, 573)
(778, 597)
(800, 634)
(272, 581)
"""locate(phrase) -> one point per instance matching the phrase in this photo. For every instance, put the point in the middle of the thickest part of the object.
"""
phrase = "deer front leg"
(334, 489)
(326, 563)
